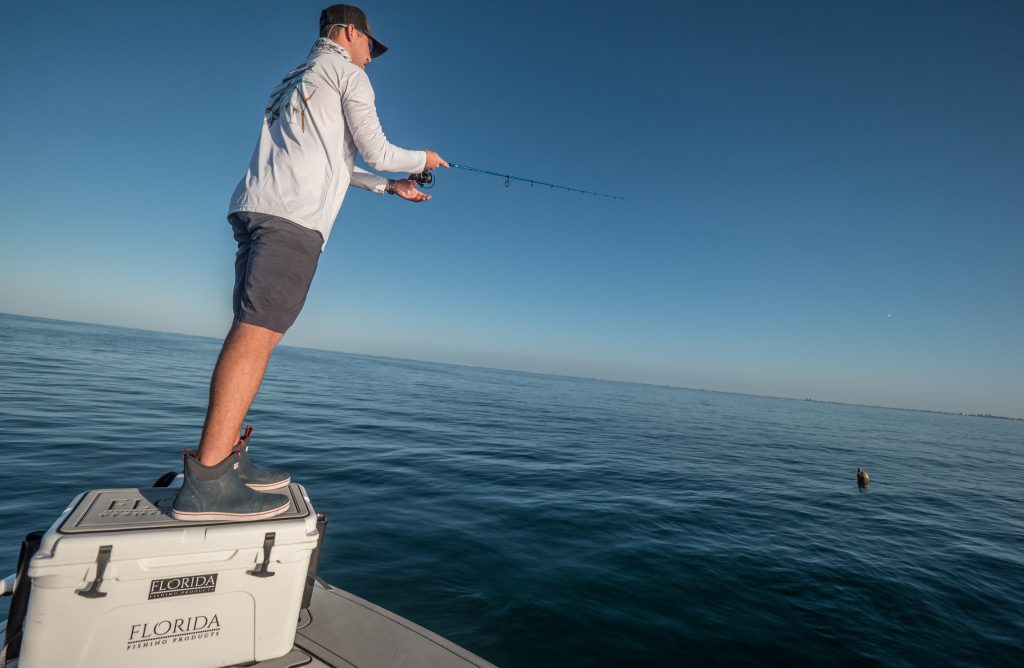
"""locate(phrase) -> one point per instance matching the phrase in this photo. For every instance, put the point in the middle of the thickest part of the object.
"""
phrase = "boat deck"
(341, 629)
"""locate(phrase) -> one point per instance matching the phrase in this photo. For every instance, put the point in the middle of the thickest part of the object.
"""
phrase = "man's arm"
(404, 188)
(359, 105)
(367, 181)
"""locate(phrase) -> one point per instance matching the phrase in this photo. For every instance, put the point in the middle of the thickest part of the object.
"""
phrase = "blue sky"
(823, 199)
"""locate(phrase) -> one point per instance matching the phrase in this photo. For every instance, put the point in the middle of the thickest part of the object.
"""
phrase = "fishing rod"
(426, 180)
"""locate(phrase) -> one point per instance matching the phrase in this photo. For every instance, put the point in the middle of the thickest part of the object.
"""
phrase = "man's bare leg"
(236, 379)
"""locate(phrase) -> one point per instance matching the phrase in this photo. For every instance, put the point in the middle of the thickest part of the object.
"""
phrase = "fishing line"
(426, 179)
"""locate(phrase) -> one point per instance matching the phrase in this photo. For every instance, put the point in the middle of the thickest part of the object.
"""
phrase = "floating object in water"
(426, 179)
(863, 478)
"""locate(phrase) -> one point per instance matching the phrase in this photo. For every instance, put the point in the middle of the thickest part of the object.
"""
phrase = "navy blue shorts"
(274, 267)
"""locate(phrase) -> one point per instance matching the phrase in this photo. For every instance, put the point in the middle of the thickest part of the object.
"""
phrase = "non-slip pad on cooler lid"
(150, 508)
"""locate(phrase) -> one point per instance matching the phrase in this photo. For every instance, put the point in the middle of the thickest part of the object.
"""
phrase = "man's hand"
(406, 189)
(433, 161)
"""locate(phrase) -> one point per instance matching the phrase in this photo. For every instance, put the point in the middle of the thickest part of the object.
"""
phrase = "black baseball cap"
(353, 16)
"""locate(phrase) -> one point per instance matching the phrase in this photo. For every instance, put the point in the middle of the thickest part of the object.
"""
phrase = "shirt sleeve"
(359, 105)
(367, 181)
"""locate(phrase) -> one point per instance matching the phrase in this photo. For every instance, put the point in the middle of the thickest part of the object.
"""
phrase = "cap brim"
(378, 49)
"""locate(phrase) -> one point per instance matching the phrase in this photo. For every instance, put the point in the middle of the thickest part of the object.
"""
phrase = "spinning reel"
(424, 178)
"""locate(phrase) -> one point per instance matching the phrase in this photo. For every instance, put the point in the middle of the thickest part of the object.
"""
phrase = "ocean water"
(551, 521)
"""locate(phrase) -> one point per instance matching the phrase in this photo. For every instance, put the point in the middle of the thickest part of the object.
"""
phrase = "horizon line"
(542, 373)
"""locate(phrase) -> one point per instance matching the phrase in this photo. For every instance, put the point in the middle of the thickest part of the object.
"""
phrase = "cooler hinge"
(262, 570)
(102, 559)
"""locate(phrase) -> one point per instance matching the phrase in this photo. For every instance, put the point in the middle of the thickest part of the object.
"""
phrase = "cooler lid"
(134, 508)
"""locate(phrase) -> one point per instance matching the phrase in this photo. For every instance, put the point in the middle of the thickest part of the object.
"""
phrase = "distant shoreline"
(916, 410)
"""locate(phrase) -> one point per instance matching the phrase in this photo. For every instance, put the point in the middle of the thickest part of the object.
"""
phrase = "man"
(281, 214)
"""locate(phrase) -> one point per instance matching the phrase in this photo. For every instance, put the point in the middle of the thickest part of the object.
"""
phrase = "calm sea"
(550, 521)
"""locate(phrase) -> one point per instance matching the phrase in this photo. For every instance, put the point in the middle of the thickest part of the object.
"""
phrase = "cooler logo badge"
(170, 631)
(192, 584)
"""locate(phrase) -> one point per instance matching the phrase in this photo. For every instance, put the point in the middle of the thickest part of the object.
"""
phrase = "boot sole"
(186, 516)
(268, 486)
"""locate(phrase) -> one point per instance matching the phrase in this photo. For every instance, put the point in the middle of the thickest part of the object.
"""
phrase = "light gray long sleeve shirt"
(315, 122)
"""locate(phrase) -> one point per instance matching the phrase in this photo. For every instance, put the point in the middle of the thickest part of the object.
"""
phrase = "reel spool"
(425, 179)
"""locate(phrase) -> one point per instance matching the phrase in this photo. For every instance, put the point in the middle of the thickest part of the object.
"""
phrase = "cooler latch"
(102, 559)
(261, 571)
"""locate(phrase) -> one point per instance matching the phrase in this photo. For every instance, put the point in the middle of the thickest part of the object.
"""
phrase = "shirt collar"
(324, 45)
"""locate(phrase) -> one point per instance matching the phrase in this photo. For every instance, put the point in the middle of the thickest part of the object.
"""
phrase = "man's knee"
(246, 333)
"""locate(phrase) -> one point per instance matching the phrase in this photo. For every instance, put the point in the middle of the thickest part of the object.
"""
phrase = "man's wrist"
(390, 187)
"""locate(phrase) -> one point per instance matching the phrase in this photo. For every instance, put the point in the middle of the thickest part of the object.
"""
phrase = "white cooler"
(118, 582)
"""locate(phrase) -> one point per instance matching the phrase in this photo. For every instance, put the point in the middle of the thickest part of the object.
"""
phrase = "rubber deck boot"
(261, 480)
(218, 493)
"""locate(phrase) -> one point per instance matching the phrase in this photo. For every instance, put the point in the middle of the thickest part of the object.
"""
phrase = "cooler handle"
(263, 570)
(102, 559)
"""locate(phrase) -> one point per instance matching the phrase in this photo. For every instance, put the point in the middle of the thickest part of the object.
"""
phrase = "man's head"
(347, 26)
